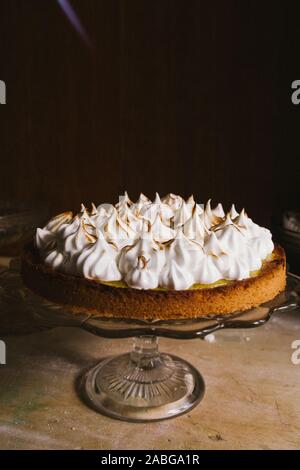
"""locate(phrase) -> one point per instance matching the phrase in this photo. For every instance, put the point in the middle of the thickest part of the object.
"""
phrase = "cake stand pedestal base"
(143, 385)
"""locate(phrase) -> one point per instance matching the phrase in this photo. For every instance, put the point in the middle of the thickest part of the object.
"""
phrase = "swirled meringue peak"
(99, 260)
(60, 219)
(142, 262)
(183, 214)
(140, 204)
(173, 200)
(194, 228)
(182, 256)
(170, 243)
(157, 208)
(117, 231)
(124, 200)
(44, 240)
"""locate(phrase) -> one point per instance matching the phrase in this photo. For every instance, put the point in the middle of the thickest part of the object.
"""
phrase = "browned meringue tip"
(194, 209)
(148, 225)
(233, 209)
(143, 261)
(191, 200)
(83, 210)
(129, 201)
(144, 198)
(157, 198)
(87, 229)
(60, 219)
(112, 243)
(93, 210)
(63, 215)
(243, 213)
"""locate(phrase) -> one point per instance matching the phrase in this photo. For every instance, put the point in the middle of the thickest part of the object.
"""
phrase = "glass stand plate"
(143, 385)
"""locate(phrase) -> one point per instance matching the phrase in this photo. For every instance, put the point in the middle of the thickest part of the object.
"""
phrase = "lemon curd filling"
(221, 282)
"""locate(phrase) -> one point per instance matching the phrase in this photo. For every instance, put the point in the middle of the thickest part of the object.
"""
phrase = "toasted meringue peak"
(45, 240)
(210, 219)
(227, 221)
(105, 209)
(93, 209)
(176, 277)
(85, 215)
(140, 204)
(98, 261)
(233, 212)
(190, 200)
(77, 239)
(194, 228)
(183, 214)
(209, 270)
(84, 212)
(56, 222)
(114, 229)
(132, 268)
(157, 208)
(218, 211)
(89, 231)
(183, 246)
(242, 219)
(55, 260)
(172, 200)
(182, 256)
(127, 216)
(213, 246)
(124, 200)
(232, 238)
(144, 199)
(161, 232)
(170, 242)
(198, 209)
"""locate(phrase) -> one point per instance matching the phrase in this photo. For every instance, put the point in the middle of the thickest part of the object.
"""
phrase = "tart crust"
(98, 299)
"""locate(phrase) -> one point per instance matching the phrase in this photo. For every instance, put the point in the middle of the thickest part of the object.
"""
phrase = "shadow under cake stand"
(145, 384)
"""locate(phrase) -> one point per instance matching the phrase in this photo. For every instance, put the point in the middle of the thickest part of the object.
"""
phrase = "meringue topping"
(233, 213)
(99, 261)
(194, 228)
(117, 231)
(60, 219)
(142, 261)
(183, 214)
(140, 204)
(173, 200)
(161, 232)
(157, 208)
(169, 243)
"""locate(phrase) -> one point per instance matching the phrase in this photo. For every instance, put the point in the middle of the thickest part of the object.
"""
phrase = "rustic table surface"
(252, 398)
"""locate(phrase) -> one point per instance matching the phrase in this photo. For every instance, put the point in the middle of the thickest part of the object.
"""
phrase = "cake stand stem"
(143, 385)
(145, 353)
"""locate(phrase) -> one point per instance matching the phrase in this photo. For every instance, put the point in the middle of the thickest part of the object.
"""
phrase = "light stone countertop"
(252, 398)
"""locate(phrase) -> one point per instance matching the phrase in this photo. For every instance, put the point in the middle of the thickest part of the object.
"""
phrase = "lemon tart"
(168, 258)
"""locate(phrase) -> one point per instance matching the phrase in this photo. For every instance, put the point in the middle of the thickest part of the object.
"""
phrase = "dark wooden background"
(181, 96)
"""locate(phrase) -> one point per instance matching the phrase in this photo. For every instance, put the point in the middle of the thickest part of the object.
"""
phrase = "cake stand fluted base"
(143, 385)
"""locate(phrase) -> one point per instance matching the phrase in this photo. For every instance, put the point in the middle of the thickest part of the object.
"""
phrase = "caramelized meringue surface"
(169, 243)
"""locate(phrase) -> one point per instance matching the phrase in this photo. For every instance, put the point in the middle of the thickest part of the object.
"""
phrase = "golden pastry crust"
(98, 299)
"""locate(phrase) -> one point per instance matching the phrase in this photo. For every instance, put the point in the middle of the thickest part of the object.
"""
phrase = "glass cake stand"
(144, 384)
